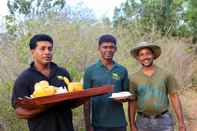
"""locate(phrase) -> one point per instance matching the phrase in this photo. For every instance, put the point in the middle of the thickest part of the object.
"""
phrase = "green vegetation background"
(170, 24)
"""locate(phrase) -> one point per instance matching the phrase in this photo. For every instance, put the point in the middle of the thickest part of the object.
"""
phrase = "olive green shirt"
(152, 91)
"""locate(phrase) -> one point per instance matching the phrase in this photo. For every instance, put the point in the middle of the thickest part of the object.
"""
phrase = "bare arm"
(176, 103)
(131, 114)
(23, 113)
(87, 116)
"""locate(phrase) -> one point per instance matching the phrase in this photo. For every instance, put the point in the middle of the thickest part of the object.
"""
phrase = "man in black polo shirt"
(54, 118)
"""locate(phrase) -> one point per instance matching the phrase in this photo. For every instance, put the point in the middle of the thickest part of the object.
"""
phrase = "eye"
(50, 48)
(112, 47)
(108, 47)
(42, 48)
(105, 47)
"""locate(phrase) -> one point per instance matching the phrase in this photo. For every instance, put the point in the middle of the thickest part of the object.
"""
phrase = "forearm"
(132, 113)
(23, 113)
(177, 108)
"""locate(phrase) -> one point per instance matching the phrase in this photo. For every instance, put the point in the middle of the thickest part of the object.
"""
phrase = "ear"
(137, 57)
(116, 48)
(32, 51)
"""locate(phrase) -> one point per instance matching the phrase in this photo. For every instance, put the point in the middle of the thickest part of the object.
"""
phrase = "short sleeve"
(67, 74)
(126, 81)
(20, 89)
(172, 84)
(87, 82)
(132, 87)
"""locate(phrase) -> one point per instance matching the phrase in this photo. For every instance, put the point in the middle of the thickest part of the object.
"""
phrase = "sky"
(100, 7)
(3, 9)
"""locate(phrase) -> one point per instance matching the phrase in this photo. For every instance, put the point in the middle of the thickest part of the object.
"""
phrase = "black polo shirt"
(57, 118)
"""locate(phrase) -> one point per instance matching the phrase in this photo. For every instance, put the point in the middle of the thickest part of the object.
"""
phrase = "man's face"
(107, 50)
(145, 57)
(42, 54)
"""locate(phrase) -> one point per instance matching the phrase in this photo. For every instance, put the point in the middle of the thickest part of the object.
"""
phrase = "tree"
(191, 18)
(22, 11)
(151, 15)
(31, 8)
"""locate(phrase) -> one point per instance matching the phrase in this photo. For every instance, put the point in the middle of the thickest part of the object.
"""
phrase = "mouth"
(48, 58)
(109, 56)
(147, 62)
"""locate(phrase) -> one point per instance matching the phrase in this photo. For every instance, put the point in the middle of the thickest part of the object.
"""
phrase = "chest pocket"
(99, 80)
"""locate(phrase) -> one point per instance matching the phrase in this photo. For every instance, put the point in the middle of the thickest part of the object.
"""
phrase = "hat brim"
(156, 50)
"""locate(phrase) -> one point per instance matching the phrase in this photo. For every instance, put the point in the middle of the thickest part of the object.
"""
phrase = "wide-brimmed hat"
(156, 49)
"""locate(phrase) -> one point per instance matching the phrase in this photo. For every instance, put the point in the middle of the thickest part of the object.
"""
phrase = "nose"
(48, 51)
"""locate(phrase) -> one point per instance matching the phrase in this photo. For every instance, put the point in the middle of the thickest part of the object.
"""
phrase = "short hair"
(39, 37)
(106, 38)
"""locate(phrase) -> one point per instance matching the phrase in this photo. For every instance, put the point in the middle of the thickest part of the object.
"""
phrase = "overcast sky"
(100, 7)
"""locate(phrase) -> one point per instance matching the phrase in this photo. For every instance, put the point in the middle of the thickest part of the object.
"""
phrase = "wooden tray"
(37, 102)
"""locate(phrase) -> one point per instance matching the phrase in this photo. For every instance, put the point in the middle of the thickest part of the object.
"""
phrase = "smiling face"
(42, 53)
(107, 50)
(145, 56)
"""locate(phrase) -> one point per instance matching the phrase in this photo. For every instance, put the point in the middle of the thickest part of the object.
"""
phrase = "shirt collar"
(99, 63)
(53, 67)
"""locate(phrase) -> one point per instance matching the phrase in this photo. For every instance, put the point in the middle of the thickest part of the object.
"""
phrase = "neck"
(44, 69)
(149, 71)
(107, 63)
(41, 66)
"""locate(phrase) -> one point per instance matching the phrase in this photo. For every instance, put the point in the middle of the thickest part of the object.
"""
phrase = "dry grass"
(189, 101)
(176, 60)
(75, 48)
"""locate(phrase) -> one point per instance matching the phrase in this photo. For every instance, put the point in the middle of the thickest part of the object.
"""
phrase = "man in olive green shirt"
(106, 114)
(153, 87)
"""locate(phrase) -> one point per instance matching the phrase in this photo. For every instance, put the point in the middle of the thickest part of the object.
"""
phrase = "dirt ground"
(189, 102)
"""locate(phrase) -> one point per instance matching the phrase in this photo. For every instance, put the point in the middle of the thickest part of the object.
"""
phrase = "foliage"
(24, 11)
(11, 24)
(7, 114)
(152, 15)
(75, 43)
(191, 18)
(30, 8)
(169, 17)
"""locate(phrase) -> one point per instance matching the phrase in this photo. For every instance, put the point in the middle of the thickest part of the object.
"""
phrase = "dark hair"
(106, 38)
(39, 37)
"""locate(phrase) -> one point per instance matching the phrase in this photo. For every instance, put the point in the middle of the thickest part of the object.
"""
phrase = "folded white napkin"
(120, 94)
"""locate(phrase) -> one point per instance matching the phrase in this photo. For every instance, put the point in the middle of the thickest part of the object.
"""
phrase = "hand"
(24, 113)
(133, 128)
(121, 99)
(182, 128)
(83, 100)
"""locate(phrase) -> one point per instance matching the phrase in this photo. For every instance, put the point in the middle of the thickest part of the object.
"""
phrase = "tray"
(39, 101)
